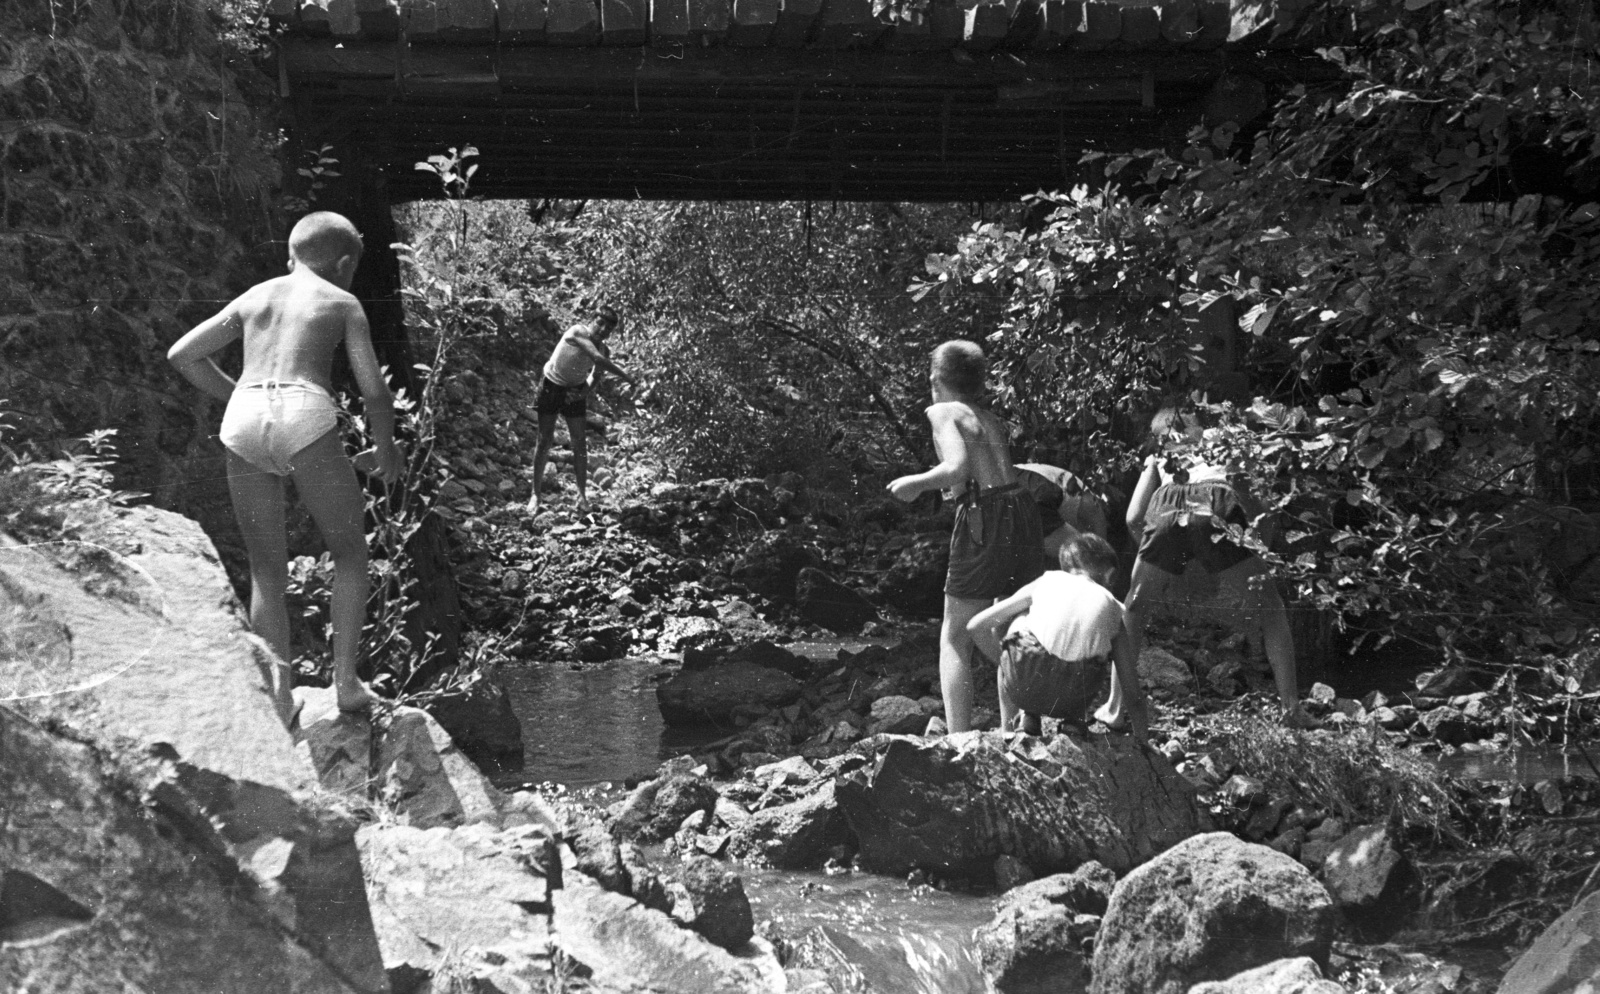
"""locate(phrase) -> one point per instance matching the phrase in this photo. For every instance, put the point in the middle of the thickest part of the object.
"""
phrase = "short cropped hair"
(960, 365)
(323, 238)
(1089, 554)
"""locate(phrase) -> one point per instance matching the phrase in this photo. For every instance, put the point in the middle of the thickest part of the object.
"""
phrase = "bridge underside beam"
(725, 124)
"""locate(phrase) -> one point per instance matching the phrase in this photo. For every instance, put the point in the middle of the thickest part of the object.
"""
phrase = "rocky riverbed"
(202, 847)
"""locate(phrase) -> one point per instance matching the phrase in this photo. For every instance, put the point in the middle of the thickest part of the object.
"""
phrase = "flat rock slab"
(1565, 959)
(952, 805)
(425, 779)
(633, 949)
(105, 892)
(158, 650)
(436, 890)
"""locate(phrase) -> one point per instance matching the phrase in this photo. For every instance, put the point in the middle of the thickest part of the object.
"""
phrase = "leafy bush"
(1423, 372)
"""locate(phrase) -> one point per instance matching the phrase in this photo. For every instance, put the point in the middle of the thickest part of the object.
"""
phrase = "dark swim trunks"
(1043, 684)
(1182, 521)
(573, 402)
(996, 544)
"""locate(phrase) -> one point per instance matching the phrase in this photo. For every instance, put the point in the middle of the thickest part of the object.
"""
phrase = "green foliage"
(395, 646)
(38, 496)
(776, 334)
(1424, 370)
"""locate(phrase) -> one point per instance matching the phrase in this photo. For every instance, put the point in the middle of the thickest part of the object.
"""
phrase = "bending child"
(1180, 510)
(1064, 631)
(281, 421)
(995, 544)
(565, 391)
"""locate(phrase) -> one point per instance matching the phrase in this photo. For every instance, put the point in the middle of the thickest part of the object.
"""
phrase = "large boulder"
(141, 625)
(656, 808)
(824, 601)
(711, 696)
(952, 805)
(712, 901)
(1370, 880)
(113, 877)
(1565, 959)
(1207, 909)
(424, 778)
(468, 898)
(481, 722)
(1042, 934)
(629, 947)
(1284, 976)
(133, 638)
(793, 836)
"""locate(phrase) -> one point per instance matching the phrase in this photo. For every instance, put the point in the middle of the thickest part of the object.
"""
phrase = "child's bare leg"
(1147, 583)
(327, 484)
(955, 660)
(1279, 643)
(541, 455)
(578, 428)
(258, 506)
(1009, 713)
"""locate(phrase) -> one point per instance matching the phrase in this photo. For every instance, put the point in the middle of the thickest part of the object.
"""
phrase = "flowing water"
(597, 727)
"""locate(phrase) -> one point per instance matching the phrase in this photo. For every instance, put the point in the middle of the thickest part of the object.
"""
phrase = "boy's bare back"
(985, 437)
(292, 325)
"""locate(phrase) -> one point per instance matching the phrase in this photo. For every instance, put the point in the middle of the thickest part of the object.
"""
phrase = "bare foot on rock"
(356, 699)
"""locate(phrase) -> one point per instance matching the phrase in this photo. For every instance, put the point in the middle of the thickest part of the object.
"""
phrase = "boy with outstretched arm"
(565, 391)
(1063, 632)
(281, 421)
(995, 544)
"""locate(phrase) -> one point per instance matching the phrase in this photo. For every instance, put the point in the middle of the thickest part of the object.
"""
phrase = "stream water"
(596, 727)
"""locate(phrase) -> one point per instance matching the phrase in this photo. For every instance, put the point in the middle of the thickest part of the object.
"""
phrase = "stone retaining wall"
(138, 176)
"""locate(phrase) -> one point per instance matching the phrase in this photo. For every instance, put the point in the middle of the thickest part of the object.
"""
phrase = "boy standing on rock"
(282, 422)
(565, 391)
(1065, 631)
(995, 545)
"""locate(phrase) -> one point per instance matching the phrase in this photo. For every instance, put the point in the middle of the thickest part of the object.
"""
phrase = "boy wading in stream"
(995, 545)
(565, 391)
(1064, 632)
(282, 422)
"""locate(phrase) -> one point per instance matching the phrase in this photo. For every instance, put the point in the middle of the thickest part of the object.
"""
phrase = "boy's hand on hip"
(905, 488)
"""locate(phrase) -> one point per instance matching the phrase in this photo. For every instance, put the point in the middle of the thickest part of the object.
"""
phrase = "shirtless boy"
(1179, 513)
(281, 422)
(995, 545)
(565, 391)
(1064, 631)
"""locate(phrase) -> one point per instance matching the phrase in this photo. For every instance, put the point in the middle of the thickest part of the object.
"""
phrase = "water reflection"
(1526, 765)
(592, 724)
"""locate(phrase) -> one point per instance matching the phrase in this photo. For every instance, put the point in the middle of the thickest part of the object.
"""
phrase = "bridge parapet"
(1036, 25)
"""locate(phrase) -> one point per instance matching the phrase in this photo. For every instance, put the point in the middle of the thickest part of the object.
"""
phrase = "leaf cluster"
(1423, 366)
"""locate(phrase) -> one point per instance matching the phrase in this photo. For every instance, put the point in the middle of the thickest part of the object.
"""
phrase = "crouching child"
(1063, 632)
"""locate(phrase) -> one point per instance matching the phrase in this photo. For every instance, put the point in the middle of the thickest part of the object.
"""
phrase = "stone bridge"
(775, 99)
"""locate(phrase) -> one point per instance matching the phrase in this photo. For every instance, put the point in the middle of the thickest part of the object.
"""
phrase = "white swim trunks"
(270, 422)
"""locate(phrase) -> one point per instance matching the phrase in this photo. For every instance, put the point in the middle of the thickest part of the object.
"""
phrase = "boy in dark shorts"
(995, 545)
(1064, 632)
(564, 391)
(1181, 509)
